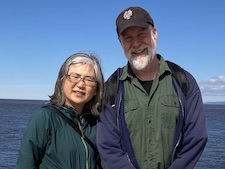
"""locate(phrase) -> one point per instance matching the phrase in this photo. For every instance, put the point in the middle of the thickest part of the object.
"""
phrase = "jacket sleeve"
(194, 130)
(33, 143)
(109, 142)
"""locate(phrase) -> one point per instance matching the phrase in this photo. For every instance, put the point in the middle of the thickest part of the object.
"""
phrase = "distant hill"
(216, 103)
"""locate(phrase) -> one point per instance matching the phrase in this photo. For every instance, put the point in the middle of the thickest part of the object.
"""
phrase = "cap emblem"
(127, 14)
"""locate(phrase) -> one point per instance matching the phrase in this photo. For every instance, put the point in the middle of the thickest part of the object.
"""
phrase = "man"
(152, 124)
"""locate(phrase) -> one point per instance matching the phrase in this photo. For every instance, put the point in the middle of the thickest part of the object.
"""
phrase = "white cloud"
(214, 88)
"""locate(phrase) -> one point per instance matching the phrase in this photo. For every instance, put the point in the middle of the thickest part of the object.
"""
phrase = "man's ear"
(120, 41)
(155, 34)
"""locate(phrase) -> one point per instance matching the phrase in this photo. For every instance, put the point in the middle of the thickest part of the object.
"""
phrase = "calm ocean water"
(14, 115)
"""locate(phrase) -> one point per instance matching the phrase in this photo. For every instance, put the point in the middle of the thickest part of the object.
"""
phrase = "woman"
(49, 141)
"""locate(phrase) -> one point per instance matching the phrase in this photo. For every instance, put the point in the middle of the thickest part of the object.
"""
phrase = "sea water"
(15, 114)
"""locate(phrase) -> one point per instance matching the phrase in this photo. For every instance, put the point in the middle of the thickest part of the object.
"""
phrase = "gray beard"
(142, 62)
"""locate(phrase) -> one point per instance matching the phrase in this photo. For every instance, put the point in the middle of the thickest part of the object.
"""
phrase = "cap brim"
(141, 24)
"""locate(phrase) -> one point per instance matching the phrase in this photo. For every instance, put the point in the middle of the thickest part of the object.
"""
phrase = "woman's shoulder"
(43, 114)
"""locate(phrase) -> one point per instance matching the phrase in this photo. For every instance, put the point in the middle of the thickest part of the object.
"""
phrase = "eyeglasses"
(76, 78)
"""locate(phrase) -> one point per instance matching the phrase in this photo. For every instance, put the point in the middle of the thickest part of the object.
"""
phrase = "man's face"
(139, 46)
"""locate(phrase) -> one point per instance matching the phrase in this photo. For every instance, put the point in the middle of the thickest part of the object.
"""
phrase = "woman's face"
(77, 87)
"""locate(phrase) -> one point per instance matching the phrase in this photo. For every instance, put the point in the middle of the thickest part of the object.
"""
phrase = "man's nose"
(136, 43)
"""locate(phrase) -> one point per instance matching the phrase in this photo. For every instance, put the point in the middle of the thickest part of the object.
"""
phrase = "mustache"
(138, 49)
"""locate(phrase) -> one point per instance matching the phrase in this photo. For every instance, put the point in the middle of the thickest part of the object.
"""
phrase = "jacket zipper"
(178, 141)
(118, 110)
(118, 125)
(85, 145)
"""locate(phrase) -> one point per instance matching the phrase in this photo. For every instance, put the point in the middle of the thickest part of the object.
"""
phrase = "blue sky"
(37, 36)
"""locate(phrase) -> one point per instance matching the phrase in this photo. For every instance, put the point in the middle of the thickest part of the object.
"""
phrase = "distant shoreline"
(206, 103)
(23, 100)
(215, 103)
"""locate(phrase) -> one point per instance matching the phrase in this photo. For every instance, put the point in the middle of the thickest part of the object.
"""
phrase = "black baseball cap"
(133, 16)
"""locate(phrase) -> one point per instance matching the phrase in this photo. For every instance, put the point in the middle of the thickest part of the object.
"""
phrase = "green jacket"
(50, 143)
